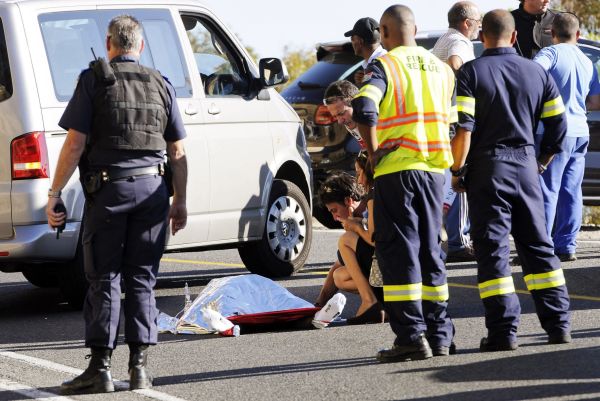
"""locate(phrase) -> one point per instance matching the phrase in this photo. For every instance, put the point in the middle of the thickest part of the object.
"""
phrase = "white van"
(249, 184)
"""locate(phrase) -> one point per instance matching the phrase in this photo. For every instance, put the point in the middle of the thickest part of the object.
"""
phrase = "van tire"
(72, 282)
(287, 234)
(42, 276)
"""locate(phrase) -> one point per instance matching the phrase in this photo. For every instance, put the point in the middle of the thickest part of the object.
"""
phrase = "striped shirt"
(453, 43)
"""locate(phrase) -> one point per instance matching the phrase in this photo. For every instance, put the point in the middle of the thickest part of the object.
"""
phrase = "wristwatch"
(459, 172)
(54, 194)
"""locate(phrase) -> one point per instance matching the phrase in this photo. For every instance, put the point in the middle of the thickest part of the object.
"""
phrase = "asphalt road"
(41, 344)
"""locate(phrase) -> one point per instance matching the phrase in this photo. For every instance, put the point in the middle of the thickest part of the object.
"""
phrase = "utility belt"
(94, 179)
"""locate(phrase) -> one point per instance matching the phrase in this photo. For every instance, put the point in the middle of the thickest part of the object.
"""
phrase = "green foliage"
(588, 12)
(591, 215)
(297, 61)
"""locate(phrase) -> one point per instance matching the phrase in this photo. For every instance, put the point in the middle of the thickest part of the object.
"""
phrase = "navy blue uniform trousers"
(408, 220)
(504, 189)
(124, 237)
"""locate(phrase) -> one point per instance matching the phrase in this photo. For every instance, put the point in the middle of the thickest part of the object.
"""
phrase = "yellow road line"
(201, 262)
(324, 273)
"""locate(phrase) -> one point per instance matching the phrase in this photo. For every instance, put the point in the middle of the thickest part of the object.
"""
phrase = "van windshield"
(5, 78)
(72, 39)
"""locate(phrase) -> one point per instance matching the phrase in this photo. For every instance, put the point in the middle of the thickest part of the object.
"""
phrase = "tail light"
(323, 116)
(29, 156)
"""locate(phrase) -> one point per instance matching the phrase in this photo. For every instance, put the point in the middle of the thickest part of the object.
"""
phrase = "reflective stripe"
(394, 69)
(453, 116)
(415, 145)
(372, 92)
(439, 293)
(413, 118)
(465, 105)
(407, 292)
(499, 286)
(553, 108)
(540, 281)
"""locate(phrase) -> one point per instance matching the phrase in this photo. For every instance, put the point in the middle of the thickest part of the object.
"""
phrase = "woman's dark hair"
(339, 186)
(362, 159)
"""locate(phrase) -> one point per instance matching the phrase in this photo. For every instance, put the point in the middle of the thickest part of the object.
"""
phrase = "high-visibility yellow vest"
(415, 112)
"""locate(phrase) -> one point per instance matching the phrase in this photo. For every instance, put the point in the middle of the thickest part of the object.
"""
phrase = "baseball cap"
(364, 28)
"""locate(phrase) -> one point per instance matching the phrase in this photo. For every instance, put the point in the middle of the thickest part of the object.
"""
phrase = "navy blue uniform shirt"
(364, 110)
(78, 116)
(501, 97)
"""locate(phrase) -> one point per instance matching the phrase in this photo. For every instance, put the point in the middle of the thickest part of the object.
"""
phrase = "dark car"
(332, 148)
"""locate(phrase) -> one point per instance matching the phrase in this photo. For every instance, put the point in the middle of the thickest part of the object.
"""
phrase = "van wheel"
(287, 235)
(43, 276)
(72, 282)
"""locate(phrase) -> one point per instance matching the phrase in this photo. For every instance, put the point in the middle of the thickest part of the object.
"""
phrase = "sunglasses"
(332, 99)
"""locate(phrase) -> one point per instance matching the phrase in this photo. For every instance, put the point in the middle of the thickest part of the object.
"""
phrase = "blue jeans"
(563, 200)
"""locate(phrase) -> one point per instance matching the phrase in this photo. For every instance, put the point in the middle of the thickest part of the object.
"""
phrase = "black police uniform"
(125, 223)
(534, 31)
(501, 98)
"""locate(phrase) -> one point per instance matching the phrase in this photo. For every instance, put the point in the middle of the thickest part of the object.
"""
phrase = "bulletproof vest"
(130, 107)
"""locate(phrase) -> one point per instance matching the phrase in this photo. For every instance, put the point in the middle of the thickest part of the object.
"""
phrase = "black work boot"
(139, 377)
(417, 350)
(95, 379)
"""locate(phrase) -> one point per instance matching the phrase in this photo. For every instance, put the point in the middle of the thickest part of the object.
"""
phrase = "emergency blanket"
(229, 301)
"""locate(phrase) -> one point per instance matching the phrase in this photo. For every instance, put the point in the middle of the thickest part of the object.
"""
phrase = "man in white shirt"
(365, 42)
(456, 48)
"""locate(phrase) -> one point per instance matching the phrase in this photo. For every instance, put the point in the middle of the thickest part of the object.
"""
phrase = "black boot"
(139, 377)
(95, 379)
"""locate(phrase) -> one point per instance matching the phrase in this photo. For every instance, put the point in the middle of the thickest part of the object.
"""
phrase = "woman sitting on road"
(342, 196)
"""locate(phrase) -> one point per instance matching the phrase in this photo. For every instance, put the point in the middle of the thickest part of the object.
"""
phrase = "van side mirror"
(272, 72)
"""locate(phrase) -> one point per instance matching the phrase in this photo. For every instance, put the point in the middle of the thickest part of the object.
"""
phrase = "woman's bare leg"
(347, 247)
(329, 286)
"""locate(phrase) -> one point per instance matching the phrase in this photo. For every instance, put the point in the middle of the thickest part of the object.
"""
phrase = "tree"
(588, 12)
(297, 61)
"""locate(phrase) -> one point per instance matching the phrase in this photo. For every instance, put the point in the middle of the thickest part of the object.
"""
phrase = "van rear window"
(5, 78)
(72, 39)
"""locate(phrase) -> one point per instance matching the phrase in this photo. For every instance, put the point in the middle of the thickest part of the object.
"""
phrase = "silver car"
(249, 184)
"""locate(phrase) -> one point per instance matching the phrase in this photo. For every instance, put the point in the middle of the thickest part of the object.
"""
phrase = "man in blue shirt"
(576, 79)
(501, 98)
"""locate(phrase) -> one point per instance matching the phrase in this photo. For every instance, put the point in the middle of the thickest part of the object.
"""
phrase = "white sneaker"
(332, 309)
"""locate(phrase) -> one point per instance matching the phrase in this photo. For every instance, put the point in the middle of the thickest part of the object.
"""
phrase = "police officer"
(406, 105)
(127, 114)
(501, 98)
(533, 22)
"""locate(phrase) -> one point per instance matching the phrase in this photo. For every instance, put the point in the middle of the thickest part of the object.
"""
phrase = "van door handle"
(190, 110)
(213, 109)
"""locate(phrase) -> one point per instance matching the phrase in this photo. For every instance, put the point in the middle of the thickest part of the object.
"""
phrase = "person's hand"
(358, 77)
(458, 184)
(379, 154)
(177, 216)
(54, 219)
(352, 224)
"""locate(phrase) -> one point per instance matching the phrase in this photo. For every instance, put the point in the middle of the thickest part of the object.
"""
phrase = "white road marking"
(57, 367)
(30, 392)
